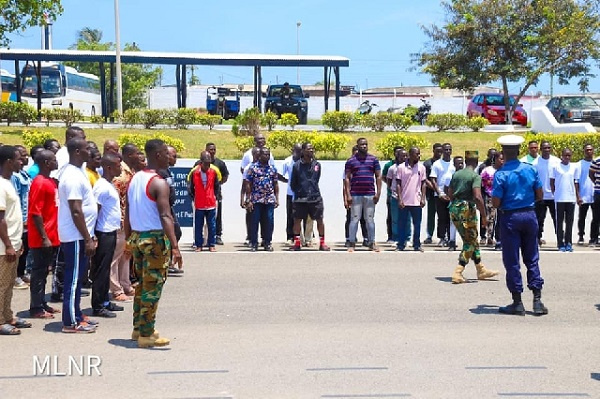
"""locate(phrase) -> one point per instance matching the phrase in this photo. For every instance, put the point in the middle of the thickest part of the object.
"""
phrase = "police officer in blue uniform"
(517, 187)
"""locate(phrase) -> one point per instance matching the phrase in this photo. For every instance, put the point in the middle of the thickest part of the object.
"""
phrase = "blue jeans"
(211, 221)
(76, 265)
(362, 205)
(262, 214)
(395, 211)
(406, 213)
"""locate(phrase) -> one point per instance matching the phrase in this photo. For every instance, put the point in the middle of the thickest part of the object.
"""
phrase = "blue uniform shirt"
(515, 184)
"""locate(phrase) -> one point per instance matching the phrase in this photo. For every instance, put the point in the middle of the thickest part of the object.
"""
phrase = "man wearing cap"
(517, 187)
(465, 198)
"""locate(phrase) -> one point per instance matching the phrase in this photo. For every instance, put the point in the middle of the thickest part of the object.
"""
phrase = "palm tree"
(89, 35)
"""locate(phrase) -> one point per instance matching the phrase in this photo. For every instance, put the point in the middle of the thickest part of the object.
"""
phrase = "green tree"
(484, 41)
(18, 15)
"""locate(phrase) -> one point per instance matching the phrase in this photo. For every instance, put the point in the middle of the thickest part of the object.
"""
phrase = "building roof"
(163, 58)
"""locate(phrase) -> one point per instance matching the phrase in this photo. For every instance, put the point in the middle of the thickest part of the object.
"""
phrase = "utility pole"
(118, 60)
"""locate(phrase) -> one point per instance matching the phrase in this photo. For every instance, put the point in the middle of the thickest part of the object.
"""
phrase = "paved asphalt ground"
(331, 325)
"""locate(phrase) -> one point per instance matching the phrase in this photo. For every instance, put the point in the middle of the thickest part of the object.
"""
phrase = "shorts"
(303, 209)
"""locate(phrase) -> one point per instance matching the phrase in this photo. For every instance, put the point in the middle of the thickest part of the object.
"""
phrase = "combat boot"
(135, 335)
(457, 277)
(483, 273)
(151, 341)
(515, 308)
(538, 307)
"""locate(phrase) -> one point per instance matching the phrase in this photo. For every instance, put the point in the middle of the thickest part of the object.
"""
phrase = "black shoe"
(56, 298)
(174, 270)
(114, 307)
(428, 241)
(451, 245)
(269, 248)
(85, 292)
(253, 249)
(219, 241)
(515, 308)
(347, 244)
(365, 243)
(104, 313)
(538, 307)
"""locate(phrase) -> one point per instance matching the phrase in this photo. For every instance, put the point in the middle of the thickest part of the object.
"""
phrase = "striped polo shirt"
(363, 171)
(595, 167)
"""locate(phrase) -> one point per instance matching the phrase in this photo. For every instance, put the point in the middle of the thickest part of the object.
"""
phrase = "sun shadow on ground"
(485, 309)
(598, 306)
(131, 344)
(449, 280)
(54, 327)
(595, 376)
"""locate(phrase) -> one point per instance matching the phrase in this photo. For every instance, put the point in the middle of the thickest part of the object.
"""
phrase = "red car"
(491, 107)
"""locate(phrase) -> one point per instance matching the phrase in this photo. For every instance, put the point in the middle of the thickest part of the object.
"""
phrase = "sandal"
(42, 315)
(20, 323)
(52, 310)
(7, 329)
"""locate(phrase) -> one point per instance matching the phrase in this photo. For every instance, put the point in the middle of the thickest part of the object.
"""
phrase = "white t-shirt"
(392, 175)
(74, 185)
(11, 205)
(443, 172)
(109, 215)
(586, 185)
(543, 167)
(564, 181)
(247, 159)
(288, 166)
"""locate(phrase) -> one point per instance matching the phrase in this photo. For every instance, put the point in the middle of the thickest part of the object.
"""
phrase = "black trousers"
(583, 210)
(100, 269)
(565, 213)
(388, 220)
(23, 258)
(289, 212)
(219, 231)
(540, 212)
(363, 226)
(43, 260)
(443, 228)
(595, 226)
(58, 274)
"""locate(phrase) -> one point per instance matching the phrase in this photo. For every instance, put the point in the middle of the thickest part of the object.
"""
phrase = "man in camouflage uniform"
(465, 198)
(150, 228)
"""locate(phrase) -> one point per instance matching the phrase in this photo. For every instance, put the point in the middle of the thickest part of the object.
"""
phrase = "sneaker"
(428, 241)
(365, 243)
(592, 244)
(219, 241)
(20, 284)
(104, 313)
(347, 244)
(122, 298)
(390, 242)
(87, 320)
(253, 248)
(26, 278)
(451, 245)
(113, 307)
(483, 241)
(173, 270)
(569, 248)
(399, 249)
(562, 249)
(442, 243)
(418, 249)
(498, 247)
(296, 247)
(79, 329)
(324, 247)
(580, 241)
(269, 248)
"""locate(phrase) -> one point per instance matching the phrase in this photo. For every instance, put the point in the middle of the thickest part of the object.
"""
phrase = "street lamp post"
(118, 60)
(298, 24)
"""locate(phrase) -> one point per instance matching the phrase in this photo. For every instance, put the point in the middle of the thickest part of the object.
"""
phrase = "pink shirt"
(411, 178)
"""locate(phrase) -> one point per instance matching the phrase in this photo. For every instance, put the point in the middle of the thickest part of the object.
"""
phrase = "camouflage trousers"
(464, 216)
(151, 252)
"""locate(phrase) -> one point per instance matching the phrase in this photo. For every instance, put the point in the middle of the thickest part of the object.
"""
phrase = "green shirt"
(384, 173)
(463, 182)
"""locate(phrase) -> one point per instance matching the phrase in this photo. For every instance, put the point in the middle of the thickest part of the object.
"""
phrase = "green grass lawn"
(195, 140)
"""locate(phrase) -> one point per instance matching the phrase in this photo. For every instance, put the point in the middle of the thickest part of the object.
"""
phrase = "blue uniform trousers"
(519, 231)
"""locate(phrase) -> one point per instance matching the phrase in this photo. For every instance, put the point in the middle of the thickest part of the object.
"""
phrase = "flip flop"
(20, 323)
(52, 310)
(42, 315)
(7, 329)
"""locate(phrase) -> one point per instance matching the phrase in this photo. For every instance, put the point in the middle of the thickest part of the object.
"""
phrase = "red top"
(43, 201)
(204, 195)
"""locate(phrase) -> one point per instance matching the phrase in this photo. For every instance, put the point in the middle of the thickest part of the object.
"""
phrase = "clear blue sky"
(377, 36)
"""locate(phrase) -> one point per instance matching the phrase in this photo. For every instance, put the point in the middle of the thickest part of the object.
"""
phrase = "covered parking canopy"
(182, 60)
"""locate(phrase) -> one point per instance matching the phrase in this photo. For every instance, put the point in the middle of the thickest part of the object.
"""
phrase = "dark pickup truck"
(281, 100)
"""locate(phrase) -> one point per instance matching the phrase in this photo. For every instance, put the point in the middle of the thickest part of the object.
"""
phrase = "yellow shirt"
(213, 167)
(92, 175)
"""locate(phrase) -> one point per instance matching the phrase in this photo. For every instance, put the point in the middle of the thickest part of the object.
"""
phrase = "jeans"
(396, 222)
(262, 215)
(43, 260)
(363, 226)
(405, 214)
(362, 205)
(211, 221)
(565, 212)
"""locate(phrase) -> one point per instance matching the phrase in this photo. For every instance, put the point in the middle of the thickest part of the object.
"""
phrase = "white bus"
(62, 87)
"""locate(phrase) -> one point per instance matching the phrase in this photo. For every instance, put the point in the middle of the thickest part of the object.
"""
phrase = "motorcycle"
(366, 107)
(423, 112)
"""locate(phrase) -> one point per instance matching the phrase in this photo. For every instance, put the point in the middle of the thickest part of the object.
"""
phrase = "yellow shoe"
(135, 335)
(457, 277)
(150, 342)
(483, 273)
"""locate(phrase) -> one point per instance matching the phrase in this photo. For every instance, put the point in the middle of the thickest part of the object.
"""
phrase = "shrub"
(400, 121)
(132, 117)
(68, 116)
(386, 145)
(477, 123)
(379, 121)
(35, 137)
(366, 121)
(140, 139)
(561, 141)
(446, 121)
(269, 119)
(248, 122)
(97, 119)
(289, 119)
(152, 117)
(184, 117)
(286, 139)
(410, 111)
(26, 113)
(244, 143)
(115, 115)
(338, 121)
(324, 143)
(48, 115)
(210, 120)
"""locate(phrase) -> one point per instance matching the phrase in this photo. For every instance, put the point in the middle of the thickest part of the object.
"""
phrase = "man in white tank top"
(150, 228)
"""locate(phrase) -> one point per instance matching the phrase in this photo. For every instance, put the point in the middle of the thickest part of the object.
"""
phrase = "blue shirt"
(515, 184)
(33, 171)
(362, 181)
(21, 182)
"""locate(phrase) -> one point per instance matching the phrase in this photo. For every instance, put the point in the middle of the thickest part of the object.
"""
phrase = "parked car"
(287, 98)
(491, 107)
(575, 108)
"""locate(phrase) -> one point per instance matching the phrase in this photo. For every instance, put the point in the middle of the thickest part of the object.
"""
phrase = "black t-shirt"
(222, 168)
(429, 193)
(305, 181)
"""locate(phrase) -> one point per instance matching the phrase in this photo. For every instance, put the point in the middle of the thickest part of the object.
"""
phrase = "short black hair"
(208, 145)
(152, 146)
(75, 144)
(48, 143)
(437, 145)
(128, 149)
(73, 131)
(7, 152)
(34, 150)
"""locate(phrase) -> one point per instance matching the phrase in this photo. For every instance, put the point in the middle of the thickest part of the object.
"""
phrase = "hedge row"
(180, 118)
(559, 142)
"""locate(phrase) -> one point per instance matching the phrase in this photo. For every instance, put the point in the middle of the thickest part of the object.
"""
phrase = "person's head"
(363, 146)
(74, 132)
(459, 163)
(172, 155)
(532, 148)
(566, 156)
(10, 160)
(437, 151)
(354, 150)
(111, 146)
(260, 140)
(111, 165)
(131, 155)
(78, 151)
(264, 155)
(52, 145)
(35, 150)
(92, 144)
(255, 152)
(491, 152)
(46, 161)
(296, 151)
(308, 151)
(414, 155)
(402, 155)
(157, 154)
(205, 160)
(212, 150)
(472, 158)
(447, 151)
(95, 157)
(546, 149)
(24, 155)
(397, 150)
(588, 152)
(394, 156)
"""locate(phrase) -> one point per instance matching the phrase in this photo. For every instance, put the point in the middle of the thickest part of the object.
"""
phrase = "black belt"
(518, 210)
